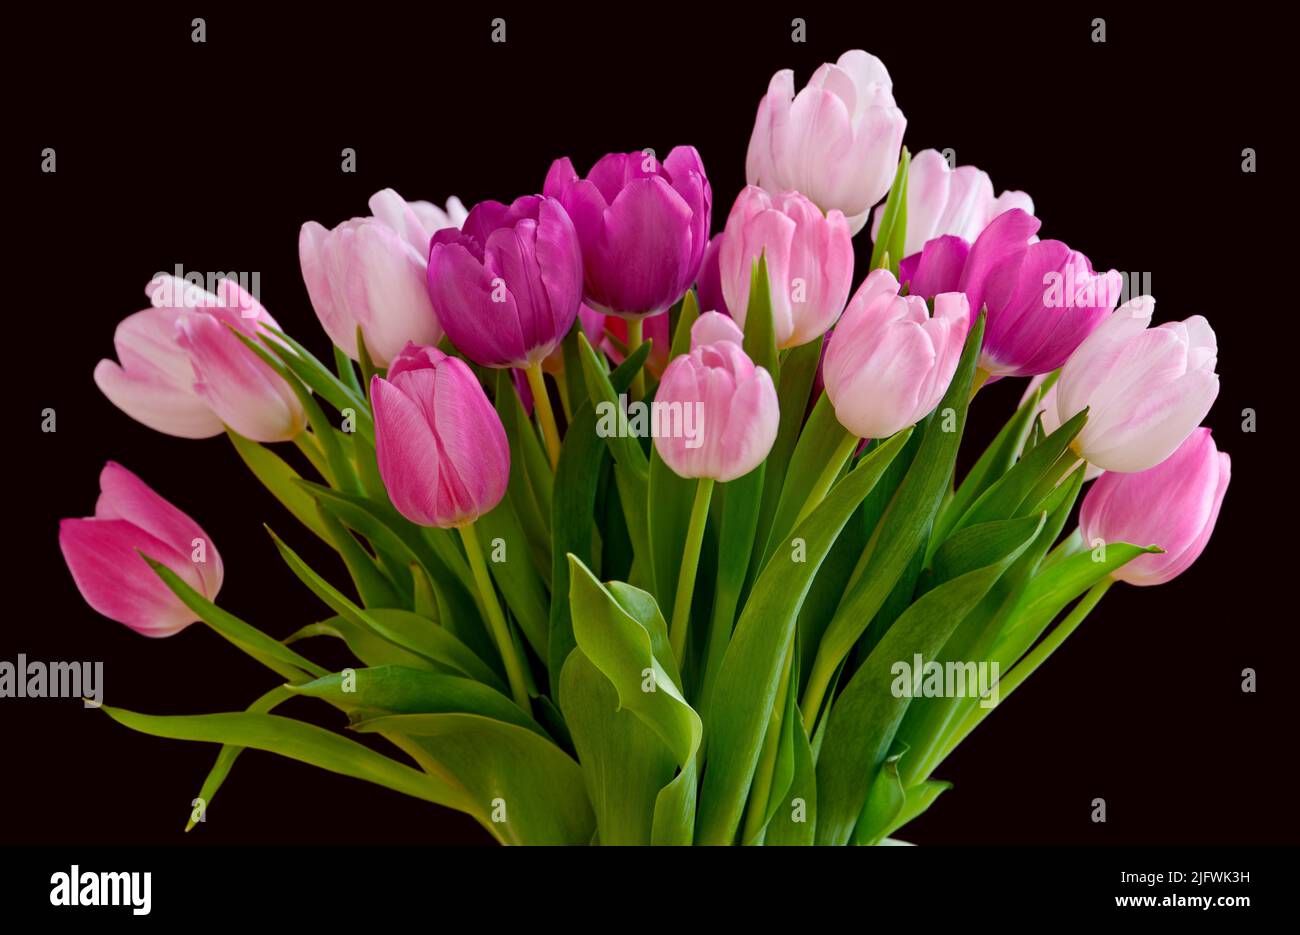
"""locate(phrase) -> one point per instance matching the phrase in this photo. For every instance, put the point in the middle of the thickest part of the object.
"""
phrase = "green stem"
(690, 564)
(634, 329)
(1009, 683)
(545, 415)
(495, 618)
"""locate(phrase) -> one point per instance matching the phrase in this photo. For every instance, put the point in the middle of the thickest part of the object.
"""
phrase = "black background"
(213, 155)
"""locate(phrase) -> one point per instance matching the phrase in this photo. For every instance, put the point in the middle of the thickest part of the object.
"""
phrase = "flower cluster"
(583, 625)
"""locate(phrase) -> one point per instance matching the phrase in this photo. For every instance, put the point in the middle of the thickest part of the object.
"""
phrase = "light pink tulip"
(943, 201)
(809, 262)
(715, 326)
(103, 554)
(1146, 388)
(837, 141)
(723, 412)
(441, 447)
(183, 372)
(889, 362)
(372, 272)
(1173, 505)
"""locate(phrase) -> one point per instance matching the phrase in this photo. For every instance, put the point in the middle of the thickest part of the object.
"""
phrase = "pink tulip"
(643, 225)
(809, 262)
(889, 362)
(715, 326)
(942, 201)
(370, 273)
(441, 447)
(723, 413)
(1042, 298)
(1173, 505)
(1146, 388)
(183, 371)
(837, 141)
(103, 554)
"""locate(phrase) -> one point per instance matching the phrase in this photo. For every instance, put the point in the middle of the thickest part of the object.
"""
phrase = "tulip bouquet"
(654, 537)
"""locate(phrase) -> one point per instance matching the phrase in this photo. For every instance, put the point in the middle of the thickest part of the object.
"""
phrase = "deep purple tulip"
(1043, 298)
(643, 225)
(506, 286)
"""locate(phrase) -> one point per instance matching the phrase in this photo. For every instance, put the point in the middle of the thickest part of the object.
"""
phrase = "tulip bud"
(507, 286)
(1145, 388)
(722, 413)
(370, 273)
(714, 326)
(441, 447)
(643, 225)
(1042, 297)
(184, 373)
(949, 202)
(103, 554)
(889, 362)
(1173, 505)
(809, 260)
(838, 141)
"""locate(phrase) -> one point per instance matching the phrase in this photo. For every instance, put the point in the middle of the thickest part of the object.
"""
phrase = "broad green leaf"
(624, 762)
(502, 771)
(884, 804)
(915, 801)
(793, 819)
(502, 537)
(862, 723)
(576, 478)
(271, 653)
(746, 690)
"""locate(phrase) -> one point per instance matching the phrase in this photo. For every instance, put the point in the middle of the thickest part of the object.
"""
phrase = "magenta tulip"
(369, 273)
(507, 285)
(943, 201)
(1173, 505)
(809, 260)
(725, 412)
(1042, 297)
(643, 225)
(441, 447)
(889, 361)
(837, 141)
(103, 553)
(1145, 388)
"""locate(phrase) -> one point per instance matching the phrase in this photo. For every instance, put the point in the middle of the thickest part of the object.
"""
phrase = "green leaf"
(893, 223)
(408, 630)
(622, 445)
(863, 721)
(230, 752)
(901, 531)
(371, 649)
(760, 330)
(747, 682)
(281, 480)
(884, 804)
(402, 690)
(798, 374)
(915, 801)
(793, 818)
(271, 653)
(298, 741)
(530, 483)
(374, 589)
(576, 478)
(624, 763)
(502, 771)
(318, 377)
(348, 374)
(517, 578)
(997, 459)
